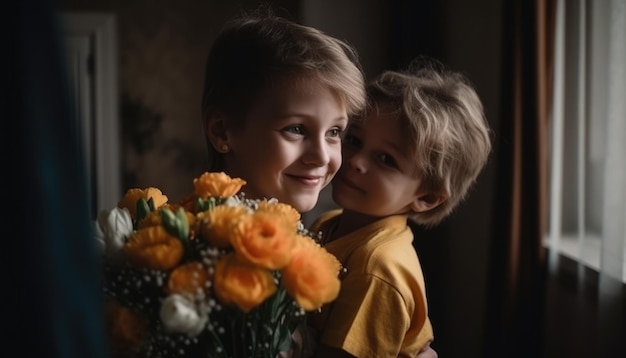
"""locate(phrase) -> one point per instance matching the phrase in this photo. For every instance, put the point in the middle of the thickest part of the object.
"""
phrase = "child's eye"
(297, 129)
(387, 160)
(335, 132)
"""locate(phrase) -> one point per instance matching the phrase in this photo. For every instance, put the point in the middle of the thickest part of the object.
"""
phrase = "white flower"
(115, 225)
(179, 314)
(232, 201)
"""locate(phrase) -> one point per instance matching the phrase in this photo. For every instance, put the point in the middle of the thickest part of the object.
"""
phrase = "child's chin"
(304, 204)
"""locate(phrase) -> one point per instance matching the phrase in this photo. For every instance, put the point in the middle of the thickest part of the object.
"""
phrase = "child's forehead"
(389, 121)
(384, 113)
(295, 97)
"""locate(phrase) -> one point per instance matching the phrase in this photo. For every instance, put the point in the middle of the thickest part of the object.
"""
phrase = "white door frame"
(103, 123)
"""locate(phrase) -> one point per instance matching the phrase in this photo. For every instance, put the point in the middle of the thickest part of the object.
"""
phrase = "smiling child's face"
(378, 176)
(289, 146)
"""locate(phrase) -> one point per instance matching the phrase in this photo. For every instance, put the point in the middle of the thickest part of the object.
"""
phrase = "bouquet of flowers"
(215, 275)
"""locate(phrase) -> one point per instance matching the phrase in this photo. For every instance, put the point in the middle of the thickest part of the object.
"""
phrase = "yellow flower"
(154, 248)
(242, 284)
(263, 239)
(280, 209)
(190, 278)
(127, 330)
(131, 197)
(311, 277)
(217, 185)
(215, 225)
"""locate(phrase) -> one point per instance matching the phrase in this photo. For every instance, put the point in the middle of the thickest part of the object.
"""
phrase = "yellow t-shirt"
(381, 310)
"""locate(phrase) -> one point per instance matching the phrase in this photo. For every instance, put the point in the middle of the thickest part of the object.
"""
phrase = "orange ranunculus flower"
(191, 278)
(311, 277)
(126, 328)
(217, 185)
(215, 225)
(240, 283)
(263, 239)
(131, 197)
(281, 209)
(154, 248)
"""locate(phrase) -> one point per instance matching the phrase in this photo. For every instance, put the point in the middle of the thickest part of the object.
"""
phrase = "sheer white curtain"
(588, 148)
(612, 107)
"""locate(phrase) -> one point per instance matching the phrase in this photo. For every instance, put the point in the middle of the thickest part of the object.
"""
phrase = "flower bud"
(179, 314)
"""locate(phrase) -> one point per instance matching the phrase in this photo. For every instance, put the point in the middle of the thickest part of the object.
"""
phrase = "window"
(587, 200)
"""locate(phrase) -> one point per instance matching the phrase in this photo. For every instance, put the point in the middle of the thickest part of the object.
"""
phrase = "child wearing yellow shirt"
(413, 155)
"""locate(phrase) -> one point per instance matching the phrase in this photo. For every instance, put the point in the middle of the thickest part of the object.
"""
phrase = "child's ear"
(215, 129)
(427, 202)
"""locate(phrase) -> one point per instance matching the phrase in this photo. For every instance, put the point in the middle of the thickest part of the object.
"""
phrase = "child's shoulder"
(323, 219)
(387, 243)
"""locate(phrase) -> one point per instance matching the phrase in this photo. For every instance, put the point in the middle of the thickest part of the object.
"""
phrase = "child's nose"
(317, 153)
(357, 161)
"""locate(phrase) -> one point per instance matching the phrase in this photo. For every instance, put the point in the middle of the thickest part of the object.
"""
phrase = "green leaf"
(168, 219)
(282, 338)
(176, 225)
(205, 204)
(182, 224)
(200, 205)
(143, 208)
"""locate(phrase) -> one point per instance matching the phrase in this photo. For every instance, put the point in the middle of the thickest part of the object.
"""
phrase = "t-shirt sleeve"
(368, 319)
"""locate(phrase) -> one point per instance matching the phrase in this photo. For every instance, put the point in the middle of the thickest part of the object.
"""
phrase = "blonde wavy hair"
(443, 117)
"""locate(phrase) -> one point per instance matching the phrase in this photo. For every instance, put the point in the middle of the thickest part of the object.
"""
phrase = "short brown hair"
(253, 50)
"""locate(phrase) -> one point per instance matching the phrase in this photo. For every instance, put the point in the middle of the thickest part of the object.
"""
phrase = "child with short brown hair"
(277, 98)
